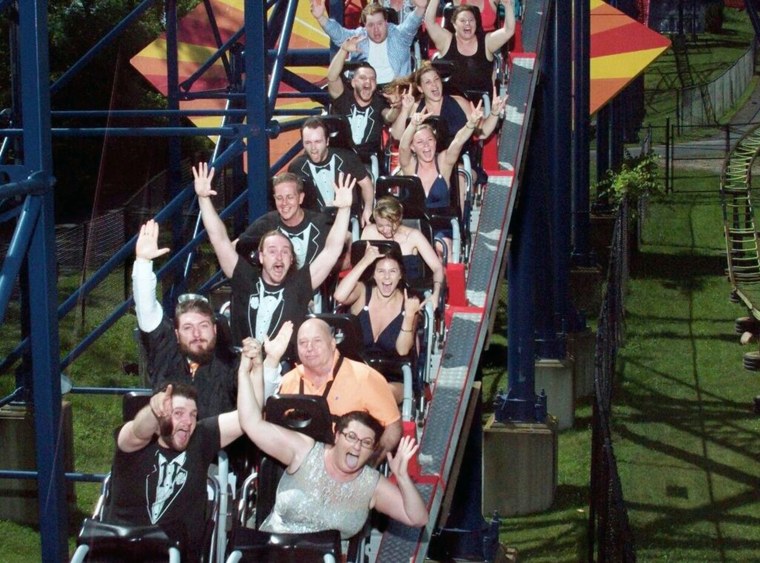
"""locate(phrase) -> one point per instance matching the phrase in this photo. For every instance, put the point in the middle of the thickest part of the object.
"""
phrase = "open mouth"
(352, 460)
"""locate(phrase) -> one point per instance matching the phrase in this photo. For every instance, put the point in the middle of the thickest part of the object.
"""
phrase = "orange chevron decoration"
(621, 48)
(197, 44)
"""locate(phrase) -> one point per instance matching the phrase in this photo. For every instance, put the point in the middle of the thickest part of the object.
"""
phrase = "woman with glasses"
(327, 486)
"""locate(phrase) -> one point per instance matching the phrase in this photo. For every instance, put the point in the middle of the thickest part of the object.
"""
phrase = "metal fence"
(610, 537)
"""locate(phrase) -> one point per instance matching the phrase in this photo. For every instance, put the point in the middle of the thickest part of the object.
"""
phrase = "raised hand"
(252, 351)
(498, 103)
(407, 99)
(161, 404)
(351, 45)
(476, 114)
(371, 253)
(419, 117)
(398, 464)
(202, 180)
(412, 305)
(318, 8)
(147, 242)
(344, 190)
(277, 346)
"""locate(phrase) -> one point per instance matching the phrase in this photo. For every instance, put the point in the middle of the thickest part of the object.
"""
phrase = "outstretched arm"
(499, 37)
(323, 264)
(334, 80)
(405, 144)
(451, 154)
(275, 348)
(489, 124)
(440, 36)
(285, 445)
(405, 110)
(402, 501)
(430, 257)
(405, 338)
(148, 309)
(349, 290)
(137, 433)
(217, 233)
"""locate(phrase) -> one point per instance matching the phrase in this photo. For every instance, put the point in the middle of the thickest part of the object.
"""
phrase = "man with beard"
(323, 165)
(365, 109)
(265, 297)
(158, 475)
(185, 352)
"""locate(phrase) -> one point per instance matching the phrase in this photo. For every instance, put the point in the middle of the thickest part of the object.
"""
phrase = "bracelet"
(470, 127)
(436, 283)
(492, 114)
(404, 330)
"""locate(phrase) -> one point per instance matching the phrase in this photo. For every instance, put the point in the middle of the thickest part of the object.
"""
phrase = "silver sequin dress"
(310, 500)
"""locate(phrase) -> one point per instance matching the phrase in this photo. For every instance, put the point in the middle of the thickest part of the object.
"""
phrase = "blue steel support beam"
(17, 249)
(174, 175)
(581, 226)
(279, 59)
(552, 272)
(35, 91)
(257, 152)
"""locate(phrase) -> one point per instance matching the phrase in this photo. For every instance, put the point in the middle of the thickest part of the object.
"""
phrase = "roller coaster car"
(409, 371)
(308, 414)
(99, 540)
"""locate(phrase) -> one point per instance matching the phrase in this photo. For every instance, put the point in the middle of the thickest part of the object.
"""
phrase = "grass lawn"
(685, 438)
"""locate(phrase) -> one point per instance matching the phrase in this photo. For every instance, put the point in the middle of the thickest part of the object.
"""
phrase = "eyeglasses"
(352, 438)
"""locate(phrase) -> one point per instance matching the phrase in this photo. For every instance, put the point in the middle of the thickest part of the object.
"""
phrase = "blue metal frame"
(247, 134)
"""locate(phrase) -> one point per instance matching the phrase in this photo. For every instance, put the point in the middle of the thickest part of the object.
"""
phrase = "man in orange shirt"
(346, 384)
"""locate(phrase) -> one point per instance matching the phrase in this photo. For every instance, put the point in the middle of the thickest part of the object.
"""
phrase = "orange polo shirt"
(357, 387)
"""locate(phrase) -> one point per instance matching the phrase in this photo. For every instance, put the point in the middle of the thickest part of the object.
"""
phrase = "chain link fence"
(610, 536)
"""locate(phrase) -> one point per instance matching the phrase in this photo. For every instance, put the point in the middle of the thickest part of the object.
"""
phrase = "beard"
(201, 357)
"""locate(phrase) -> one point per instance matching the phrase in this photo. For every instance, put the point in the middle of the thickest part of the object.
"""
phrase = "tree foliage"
(112, 167)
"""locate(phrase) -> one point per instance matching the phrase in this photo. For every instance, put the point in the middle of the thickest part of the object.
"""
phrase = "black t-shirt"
(324, 174)
(308, 237)
(259, 309)
(216, 381)
(164, 487)
(366, 122)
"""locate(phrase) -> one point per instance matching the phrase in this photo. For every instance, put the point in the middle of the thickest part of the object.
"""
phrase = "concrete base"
(586, 288)
(582, 346)
(18, 497)
(519, 466)
(556, 378)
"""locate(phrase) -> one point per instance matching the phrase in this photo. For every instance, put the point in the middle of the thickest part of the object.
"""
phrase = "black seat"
(346, 328)
(102, 541)
(133, 402)
(407, 189)
(255, 545)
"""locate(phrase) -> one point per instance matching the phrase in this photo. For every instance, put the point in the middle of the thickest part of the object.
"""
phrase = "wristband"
(404, 330)
(154, 412)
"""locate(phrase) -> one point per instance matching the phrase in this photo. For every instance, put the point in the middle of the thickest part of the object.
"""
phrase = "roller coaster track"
(739, 221)
(464, 343)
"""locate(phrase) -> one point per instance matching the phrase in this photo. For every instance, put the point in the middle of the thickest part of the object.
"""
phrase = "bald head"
(316, 347)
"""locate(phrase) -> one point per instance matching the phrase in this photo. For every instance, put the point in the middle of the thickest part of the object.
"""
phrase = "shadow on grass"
(683, 270)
